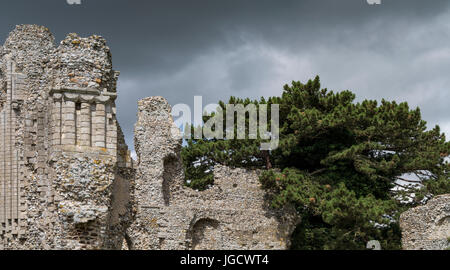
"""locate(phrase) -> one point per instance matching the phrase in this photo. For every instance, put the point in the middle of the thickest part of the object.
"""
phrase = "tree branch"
(410, 181)
(318, 171)
(402, 186)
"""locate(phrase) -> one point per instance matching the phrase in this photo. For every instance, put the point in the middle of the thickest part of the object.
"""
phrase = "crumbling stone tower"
(61, 147)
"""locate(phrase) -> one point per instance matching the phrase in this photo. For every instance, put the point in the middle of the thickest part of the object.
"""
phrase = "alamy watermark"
(73, 2)
(374, 2)
(241, 122)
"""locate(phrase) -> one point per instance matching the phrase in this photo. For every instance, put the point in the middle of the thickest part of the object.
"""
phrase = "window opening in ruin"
(170, 169)
(77, 124)
(91, 127)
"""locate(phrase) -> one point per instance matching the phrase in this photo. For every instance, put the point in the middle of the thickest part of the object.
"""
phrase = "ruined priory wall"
(233, 214)
(25, 73)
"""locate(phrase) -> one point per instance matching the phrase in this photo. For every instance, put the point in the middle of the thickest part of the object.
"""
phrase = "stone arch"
(442, 228)
(444, 221)
(205, 234)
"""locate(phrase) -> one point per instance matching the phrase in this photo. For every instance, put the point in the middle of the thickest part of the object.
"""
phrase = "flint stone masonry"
(427, 227)
(67, 180)
(233, 214)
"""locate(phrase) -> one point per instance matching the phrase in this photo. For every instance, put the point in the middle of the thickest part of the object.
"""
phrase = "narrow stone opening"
(170, 169)
(77, 123)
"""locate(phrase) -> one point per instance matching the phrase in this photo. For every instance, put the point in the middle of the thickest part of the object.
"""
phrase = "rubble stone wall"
(427, 227)
(233, 214)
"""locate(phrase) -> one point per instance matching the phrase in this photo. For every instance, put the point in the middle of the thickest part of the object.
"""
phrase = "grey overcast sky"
(399, 50)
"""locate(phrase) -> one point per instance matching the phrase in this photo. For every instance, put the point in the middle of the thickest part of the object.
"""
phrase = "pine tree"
(343, 164)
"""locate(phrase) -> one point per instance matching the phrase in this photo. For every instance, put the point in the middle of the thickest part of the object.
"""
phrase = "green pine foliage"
(338, 163)
(200, 156)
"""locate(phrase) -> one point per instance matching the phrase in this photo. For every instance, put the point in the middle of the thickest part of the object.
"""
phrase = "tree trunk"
(266, 157)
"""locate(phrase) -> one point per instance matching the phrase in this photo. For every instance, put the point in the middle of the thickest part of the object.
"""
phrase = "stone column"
(13, 158)
(2, 172)
(84, 133)
(99, 125)
(68, 123)
(8, 151)
(111, 129)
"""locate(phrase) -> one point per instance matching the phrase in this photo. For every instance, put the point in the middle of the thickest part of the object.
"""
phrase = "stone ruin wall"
(24, 135)
(66, 177)
(427, 227)
(233, 214)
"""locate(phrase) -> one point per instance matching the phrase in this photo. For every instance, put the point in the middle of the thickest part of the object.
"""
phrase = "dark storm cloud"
(398, 50)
